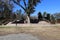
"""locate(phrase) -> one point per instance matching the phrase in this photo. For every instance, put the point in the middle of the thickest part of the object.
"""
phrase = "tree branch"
(19, 5)
(24, 3)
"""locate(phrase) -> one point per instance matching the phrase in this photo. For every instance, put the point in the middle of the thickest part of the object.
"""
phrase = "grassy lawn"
(46, 33)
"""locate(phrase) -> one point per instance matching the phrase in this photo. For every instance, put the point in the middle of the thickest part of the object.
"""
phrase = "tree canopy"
(28, 7)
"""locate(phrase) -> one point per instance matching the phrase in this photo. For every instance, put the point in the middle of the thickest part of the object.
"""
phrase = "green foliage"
(45, 14)
(48, 17)
(40, 17)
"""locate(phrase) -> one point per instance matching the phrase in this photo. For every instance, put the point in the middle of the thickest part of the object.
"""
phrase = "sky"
(49, 6)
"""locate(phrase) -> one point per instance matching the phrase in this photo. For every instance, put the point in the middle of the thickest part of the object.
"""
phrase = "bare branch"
(19, 5)
(24, 3)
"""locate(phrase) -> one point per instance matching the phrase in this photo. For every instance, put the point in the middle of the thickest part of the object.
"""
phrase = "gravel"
(21, 36)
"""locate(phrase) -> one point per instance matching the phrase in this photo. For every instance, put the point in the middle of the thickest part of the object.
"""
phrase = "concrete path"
(20, 36)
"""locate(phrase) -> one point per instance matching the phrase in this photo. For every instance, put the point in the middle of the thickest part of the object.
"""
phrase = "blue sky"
(49, 6)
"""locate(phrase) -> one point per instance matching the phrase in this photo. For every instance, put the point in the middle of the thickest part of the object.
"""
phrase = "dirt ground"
(42, 32)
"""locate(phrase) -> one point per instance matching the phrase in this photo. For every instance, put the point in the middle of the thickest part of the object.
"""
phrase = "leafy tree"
(28, 7)
(45, 14)
(40, 17)
(48, 17)
(6, 8)
(52, 19)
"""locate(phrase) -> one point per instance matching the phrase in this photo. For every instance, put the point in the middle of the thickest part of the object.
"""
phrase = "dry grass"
(45, 33)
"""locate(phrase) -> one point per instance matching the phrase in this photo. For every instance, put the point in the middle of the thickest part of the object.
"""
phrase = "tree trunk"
(28, 19)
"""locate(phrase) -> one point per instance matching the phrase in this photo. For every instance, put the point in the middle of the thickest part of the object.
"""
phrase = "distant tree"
(18, 12)
(48, 17)
(57, 15)
(53, 19)
(40, 17)
(45, 14)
